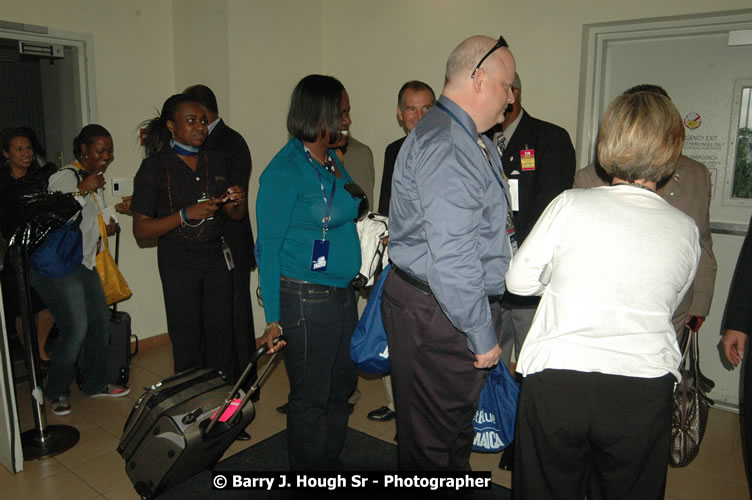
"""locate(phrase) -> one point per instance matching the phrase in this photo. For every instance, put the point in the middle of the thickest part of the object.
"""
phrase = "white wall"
(374, 47)
(200, 38)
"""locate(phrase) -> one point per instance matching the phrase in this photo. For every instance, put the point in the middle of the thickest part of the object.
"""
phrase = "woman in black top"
(182, 197)
(18, 160)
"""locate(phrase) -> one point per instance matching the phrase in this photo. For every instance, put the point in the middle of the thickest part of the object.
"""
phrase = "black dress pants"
(591, 434)
(436, 387)
(197, 290)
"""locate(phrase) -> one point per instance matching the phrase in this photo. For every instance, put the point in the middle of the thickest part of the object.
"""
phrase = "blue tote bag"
(497, 411)
(368, 348)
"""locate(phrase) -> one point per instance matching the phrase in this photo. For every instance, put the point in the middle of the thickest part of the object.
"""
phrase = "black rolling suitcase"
(119, 349)
(172, 433)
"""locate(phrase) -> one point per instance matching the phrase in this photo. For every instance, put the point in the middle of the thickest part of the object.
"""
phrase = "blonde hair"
(640, 137)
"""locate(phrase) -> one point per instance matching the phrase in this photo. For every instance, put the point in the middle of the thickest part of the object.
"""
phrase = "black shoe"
(256, 396)
(507, 459)
(383, 414)
(243, 436)
(282, 409)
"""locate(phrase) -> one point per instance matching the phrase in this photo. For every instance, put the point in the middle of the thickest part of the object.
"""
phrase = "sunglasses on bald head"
(499, 44)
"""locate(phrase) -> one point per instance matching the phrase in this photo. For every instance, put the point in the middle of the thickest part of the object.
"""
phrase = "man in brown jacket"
(689, 190)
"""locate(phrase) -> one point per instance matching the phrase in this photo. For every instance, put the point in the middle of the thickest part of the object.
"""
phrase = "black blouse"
(165, 184)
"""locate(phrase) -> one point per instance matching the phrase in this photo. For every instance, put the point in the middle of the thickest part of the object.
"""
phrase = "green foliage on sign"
(743, 166)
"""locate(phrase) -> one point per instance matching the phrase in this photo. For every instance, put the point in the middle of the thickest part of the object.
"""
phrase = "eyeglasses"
(499, 44)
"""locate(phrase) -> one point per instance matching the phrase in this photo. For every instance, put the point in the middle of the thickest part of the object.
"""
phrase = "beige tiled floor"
(94, 469)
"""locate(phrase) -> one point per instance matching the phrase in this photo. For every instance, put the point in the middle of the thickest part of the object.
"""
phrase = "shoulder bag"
(691, 406)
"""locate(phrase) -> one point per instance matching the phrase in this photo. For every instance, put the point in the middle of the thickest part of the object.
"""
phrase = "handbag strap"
(686, 348)
(690, 349)
(695, 356)
(102, 225)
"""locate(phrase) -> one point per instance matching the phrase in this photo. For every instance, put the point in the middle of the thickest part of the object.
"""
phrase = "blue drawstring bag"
(497, 411)
(368, 348)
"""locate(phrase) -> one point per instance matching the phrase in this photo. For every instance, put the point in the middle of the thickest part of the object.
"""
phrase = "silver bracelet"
(271, 325)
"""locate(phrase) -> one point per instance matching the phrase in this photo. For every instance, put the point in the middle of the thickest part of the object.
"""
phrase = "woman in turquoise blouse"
(308, 254)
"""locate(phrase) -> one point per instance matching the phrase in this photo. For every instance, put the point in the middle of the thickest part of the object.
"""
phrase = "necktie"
(501, 140)
(511, 236)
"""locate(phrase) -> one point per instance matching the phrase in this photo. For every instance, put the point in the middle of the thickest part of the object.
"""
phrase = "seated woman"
(77, 301)
(18, 146)
(308, 253)
(181, 196)
(601, 357)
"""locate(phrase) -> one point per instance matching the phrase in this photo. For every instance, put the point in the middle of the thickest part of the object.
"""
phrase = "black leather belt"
(422, 286)
(411, 280)
(495, 298)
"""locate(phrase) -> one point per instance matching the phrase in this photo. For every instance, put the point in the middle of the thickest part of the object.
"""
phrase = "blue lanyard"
(330, 200)
(454, 117)
(493, 171)
(511, 237)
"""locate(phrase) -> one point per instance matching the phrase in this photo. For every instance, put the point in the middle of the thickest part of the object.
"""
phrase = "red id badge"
(527, 159)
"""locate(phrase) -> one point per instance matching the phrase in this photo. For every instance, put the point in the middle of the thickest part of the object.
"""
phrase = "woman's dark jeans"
(319, 322)
(78, 304)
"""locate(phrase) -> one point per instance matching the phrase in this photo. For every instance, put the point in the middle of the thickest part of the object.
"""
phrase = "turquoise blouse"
(289, 210)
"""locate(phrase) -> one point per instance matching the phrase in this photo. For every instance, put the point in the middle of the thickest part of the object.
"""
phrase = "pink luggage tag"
(229, 412)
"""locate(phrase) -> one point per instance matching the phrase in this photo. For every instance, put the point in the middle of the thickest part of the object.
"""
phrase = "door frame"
(11, 453)
(83, 42)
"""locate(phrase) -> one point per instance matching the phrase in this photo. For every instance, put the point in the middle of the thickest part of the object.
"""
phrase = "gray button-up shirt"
(448, 219)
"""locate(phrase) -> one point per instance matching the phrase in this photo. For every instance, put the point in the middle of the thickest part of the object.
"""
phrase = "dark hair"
(204, 95)
(417, 86)
(647, 87)
(87, 136)
(157, 134)
(8, 134)
(36, 144)
(316, 108)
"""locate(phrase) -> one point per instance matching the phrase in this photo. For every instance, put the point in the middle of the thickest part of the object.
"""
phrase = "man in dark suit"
(539, 161)
(413, 100)
(738, 324)
(237, 234)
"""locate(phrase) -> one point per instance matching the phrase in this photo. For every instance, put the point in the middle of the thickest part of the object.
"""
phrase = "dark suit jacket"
(390, 158)
(739, 304)
(553, 173)
(234, 150)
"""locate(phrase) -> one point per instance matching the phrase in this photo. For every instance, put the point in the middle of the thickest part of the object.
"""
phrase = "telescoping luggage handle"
(228, 400)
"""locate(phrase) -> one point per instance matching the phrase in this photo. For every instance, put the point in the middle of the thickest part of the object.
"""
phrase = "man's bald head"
(479, 75)
(465, 57)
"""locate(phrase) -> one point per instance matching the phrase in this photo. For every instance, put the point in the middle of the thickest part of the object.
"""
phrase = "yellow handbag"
(115, 286)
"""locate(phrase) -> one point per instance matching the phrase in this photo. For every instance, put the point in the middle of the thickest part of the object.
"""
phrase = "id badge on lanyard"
(511, 234)
(320, 252)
